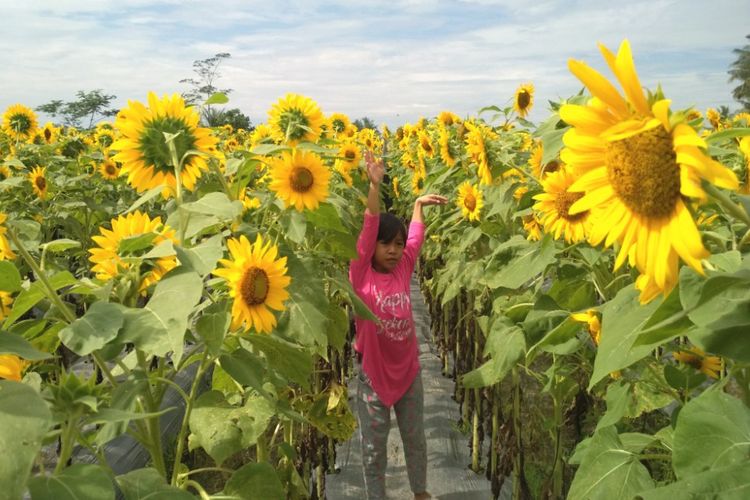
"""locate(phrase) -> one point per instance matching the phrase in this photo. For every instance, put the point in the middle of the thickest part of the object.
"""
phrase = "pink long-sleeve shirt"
(390, 352)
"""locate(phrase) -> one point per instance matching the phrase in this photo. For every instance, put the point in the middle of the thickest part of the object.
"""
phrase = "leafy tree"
(234, 117)
(365, 122)
(204, 86)
(93, 105)
(740, 71)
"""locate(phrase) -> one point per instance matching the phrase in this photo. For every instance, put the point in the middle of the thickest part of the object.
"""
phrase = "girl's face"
(388, 255)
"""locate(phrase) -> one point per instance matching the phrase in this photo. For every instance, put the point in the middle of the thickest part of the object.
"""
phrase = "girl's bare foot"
(422, 496)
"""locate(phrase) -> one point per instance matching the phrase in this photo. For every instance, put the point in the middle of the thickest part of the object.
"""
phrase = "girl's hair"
(390, 227)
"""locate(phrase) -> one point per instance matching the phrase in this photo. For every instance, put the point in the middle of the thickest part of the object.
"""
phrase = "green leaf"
(530, 262)
(202, 258)
(24, 421)
(163, 249)
(148, 484)
(217, 98)
(552, 143)
(60, 245)
(253, 481)
(506, 344)
(246, 368)
(290, 360)
(159, 327)
(223, 430)
(338, 326)
(10, 278)
(326, 217)
(565, 331)
(114, 415)
(296, 226)
(668, 321)
(10, 343)
(712, 431)
(360, 308)
(99, 325)
(316, 148)
(726, 483)
(77, 482)
(268, 149)
(36, 292)
(134, 244)
(731, 133)
(212, 328)
(216, 204)
(622, 319)
(608, 470)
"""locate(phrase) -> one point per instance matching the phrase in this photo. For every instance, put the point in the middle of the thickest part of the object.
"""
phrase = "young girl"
(387, 351)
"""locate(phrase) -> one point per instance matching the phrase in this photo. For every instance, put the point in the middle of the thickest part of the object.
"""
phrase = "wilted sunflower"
(637, 166)
(109, 169)
(299, 178)
(144, 152)
(5, 252)
(593, 324)
(696, 357)
(470, 201)
(555, 204)
(19, 122)
(476, 145)
(108, 258)
(524, 99)
(295, 118)
(258, 282)
(340, 124)
(446, 148)
(39, 182)
(11, 367)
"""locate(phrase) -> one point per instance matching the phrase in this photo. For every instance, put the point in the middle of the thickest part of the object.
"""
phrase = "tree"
(740, 71)
(365, 122)
(208, 72)
(93, 105)
(233, 117)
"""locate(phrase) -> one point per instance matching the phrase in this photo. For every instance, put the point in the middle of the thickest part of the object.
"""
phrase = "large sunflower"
(295, 118)
(299, 178)
(5, 252)
(19, 122)
(144, 152)
(470, 201)
(476, 144)
(108, 258)
(39, 182)
(524, 99)
(555, 205)
(637, 166)
(258, 282)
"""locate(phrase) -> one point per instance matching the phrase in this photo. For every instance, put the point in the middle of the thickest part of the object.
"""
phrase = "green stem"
(67, 441)
(517, 463)
(186, 418)
(152, 423)
(197, 487)
(726, 202)
(178, 188)
(206, 469)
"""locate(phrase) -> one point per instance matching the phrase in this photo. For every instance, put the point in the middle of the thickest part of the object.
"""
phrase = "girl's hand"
(375, 168)
(431, 199)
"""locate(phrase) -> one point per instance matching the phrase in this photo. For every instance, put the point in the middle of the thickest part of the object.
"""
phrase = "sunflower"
(295, 118)
(6, 299)
(425, 143)
(49, 133)
(258, 282)
(262, 133)
(108, 260)
(19, 122)
(476, 145)
(5, 252)
(340, 124)
(144, 152)
(532, 226)
(394, 184)
(11, 367)
(446, 148)
(349, 158)
(696, 357)
(447, 118)
(109, 169)
(593, 324)
(535, 162)
(555, 204)
(745, 149)
(5, 172)
(714, 118)
(417, 180)
(524, 99)
(369, 138)
(637, 166)
(104, 138)
(299, 178)
(39, 182)
(470, 201)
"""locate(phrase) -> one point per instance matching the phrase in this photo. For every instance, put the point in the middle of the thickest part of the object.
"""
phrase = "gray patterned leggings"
(375, 423)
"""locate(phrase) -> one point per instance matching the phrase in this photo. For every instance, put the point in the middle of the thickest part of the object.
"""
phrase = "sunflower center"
(294, 123)
(105, 140)
(350, 155)
(254, 287)
(552, 166)
(470, 202)
(563, 201)
(154, 147)
(47, 134)
(338, 126)
(301, 179)
(644, 174)
(20, 123)
(524, 98)
(41, 183)
(110, 169)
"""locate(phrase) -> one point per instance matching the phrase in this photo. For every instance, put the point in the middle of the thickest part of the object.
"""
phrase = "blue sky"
(393, 61)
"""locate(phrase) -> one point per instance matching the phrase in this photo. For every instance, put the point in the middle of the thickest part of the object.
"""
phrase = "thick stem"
(152, 423)
(726, 202)
(68, 439)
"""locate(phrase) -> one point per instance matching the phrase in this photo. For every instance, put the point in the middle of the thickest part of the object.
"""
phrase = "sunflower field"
(589, 289)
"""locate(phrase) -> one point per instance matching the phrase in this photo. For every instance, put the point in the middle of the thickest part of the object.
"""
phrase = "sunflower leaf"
(255, 480)
(143, 484)
(36, 292)
(10, 343)
(10, 278)
(145, 198)
(93, 330)
(217, 98)
(727, 483)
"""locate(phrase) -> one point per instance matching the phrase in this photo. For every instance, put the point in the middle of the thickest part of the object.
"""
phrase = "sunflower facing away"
(5, 252)
(144, 152)
(109, 261)
(470, 201)
(637, 166)
(299, 178)
(260, 135)
(19, 122)
(39, 182)
(447, 152)
(257, 281)
(555, 205)
(524, 99)
(696, 357)
(425, 143)
(295, 118)
(476, 145)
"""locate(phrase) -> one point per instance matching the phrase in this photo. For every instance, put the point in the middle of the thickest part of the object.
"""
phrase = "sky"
(393, 61)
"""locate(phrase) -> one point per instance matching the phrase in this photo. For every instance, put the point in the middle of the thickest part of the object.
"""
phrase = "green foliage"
(739, 71)
(77, 482)
(94, 105)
